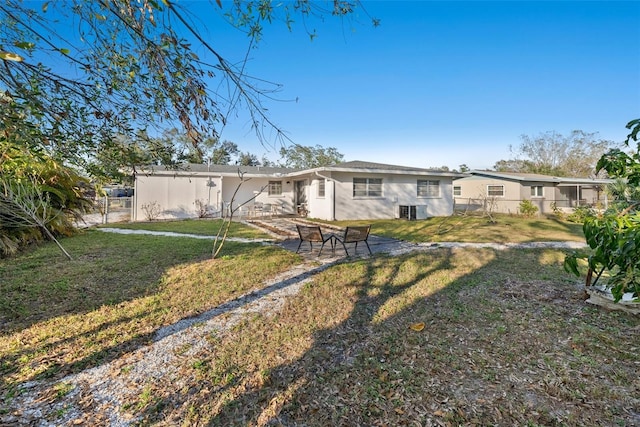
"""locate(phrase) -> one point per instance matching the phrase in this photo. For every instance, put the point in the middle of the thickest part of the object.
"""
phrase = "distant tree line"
(552, 153)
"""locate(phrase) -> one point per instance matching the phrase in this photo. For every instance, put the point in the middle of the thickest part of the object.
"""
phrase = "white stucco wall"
(320, 207)
(397, 190)
(175, 195)
(258, 188)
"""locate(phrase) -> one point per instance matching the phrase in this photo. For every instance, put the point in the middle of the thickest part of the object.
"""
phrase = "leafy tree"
(622, 193)
(125, 67)
(551, 153)
(247, 159)
(266, 162)
(513, 165)
(222, 153)
(307, 157)
(614, 237)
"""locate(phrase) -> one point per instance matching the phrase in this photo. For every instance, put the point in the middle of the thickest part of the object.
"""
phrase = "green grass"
(205, 227)
(60, 316)
(457, 228)
(508, 339)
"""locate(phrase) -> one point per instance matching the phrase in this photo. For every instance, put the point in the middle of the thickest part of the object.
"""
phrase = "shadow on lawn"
(262, 406)
(496, 350)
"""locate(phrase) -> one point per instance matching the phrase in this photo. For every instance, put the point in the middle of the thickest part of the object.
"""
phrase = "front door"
(301, 197)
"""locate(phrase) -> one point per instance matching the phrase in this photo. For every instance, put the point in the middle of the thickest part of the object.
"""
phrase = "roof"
(380, 168)
(534, 177)
(353, 166)
(225, 170)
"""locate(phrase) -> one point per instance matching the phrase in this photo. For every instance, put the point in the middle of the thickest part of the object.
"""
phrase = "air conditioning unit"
(422, 212)
(407, 212)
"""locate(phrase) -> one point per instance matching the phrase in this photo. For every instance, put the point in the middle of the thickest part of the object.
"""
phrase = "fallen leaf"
(417, 326)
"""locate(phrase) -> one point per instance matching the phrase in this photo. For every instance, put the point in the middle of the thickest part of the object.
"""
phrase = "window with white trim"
(321, 187)
(275, 188)
(537, 191)
(457, 190)
(428, 188)
(495, 190)
(367, 187)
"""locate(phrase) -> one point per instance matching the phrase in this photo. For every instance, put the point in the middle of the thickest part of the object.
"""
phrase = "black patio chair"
(313, 234)
(354, 235)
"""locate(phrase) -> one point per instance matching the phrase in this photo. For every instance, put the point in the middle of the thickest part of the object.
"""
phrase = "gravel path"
(99, 394)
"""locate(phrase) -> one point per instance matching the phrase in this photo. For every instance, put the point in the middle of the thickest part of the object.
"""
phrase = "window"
(457, 190)
(367, 187)
(536, 191)
(495, 190)
(427, 188)
(321, 187)
(275, 188)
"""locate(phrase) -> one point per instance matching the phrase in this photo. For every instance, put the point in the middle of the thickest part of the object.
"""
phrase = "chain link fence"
(109, 210)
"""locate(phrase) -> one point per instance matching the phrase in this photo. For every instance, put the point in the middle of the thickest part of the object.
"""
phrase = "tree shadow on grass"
(337, 346)
(496, 349)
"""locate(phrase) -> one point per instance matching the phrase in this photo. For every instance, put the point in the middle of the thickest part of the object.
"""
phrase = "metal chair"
(313, 234)
(354, 235)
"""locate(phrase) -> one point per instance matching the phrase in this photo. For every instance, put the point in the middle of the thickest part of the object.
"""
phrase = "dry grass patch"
(473, 228)
(508, 340)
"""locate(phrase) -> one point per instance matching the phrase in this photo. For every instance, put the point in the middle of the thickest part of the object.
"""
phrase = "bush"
(559, 213)
(527, 208)
(581, 213)
(151, 210)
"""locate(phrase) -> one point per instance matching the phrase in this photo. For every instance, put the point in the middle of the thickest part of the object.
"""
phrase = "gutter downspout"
(134, 202)
(333, 204)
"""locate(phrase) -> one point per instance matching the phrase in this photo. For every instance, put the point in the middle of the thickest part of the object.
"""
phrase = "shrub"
(581, 213)
(527, 208)
(559, 213)
(203, 209)
(151, 210)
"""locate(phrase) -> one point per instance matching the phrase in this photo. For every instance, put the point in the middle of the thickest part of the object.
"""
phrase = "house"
(506, 190)
(346, 191)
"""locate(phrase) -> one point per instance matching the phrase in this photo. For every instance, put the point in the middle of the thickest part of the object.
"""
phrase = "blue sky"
(445, 83)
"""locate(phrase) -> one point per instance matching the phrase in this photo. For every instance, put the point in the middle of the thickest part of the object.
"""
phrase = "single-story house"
(345, 191)
(506, 190)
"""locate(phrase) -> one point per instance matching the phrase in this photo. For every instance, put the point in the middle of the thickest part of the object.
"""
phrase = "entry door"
(301, 197)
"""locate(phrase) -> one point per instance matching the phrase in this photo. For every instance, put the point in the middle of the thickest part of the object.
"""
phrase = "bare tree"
(223, 231)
